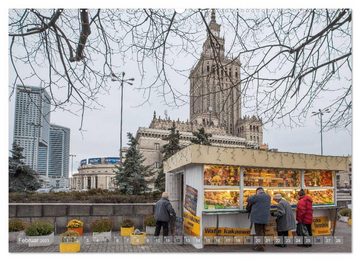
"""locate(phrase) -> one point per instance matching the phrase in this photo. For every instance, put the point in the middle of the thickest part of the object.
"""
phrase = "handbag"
(301, 230)
(248, 207)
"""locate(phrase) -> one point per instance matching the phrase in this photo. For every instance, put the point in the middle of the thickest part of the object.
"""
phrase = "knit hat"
(301, 192)
(259, 189)
(277, 196)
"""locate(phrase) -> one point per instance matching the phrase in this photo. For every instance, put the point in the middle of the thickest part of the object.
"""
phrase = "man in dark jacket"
(304, 212)
(285, 220)
(163, 212)
(260, 213)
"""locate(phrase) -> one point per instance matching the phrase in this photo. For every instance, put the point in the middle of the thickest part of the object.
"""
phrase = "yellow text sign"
(321, 226)
(226, 231)
(191, 224)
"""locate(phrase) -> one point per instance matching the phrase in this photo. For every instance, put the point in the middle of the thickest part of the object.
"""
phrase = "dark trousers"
(172, 226)
(164, 225)
(308, 226)
(260, 231)
(283, 234)
(309, 230)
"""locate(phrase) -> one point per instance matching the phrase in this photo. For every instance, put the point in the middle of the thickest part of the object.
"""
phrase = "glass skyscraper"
(32, 126)
(59, 149)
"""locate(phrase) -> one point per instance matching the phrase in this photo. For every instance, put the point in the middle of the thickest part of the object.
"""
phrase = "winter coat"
(285, 219)
(163, 210)
(304, 210)
(260, 209)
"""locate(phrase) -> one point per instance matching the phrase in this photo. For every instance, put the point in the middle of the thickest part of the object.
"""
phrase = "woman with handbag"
(304, 215)
(285, 220)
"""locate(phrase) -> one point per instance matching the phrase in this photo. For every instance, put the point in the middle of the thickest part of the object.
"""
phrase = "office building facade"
(59, 150)
(32, 126)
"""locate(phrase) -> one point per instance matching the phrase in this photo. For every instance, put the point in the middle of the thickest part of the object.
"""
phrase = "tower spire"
(213, 15)
(213, 26)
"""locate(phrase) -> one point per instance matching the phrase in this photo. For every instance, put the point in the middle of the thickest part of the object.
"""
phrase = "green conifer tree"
(21, 177)
(201, 137)
(130, 176)
(168, 150)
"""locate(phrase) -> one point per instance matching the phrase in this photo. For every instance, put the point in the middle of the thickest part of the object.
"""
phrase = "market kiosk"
(208, 186)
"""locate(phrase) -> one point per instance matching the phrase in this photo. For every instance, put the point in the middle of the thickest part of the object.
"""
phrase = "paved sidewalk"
(342, 230)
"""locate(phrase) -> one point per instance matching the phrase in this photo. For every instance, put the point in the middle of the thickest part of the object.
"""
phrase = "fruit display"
(221, 199)
(321, 196)
(287, 182)
(254, 177)
(318, 178)
(246, 195)
(217, 175)
(289, 195)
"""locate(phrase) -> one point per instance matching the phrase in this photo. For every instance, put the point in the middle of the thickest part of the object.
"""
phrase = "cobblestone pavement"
(342, 230)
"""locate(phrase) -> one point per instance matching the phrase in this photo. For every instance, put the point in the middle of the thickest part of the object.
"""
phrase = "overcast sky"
(101, 135)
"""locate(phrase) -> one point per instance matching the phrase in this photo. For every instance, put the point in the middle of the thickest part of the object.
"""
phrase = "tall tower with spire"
(215, 83)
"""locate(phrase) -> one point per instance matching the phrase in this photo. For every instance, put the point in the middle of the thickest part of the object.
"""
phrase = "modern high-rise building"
(59, 149)
(32, 126)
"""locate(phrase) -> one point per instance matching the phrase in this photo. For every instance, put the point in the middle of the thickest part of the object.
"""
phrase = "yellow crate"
(126, 231)
(137, 240)
(69, 247)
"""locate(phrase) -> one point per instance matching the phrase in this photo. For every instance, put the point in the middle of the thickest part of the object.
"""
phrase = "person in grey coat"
(163, 213)
(260, 213)
(285, 219)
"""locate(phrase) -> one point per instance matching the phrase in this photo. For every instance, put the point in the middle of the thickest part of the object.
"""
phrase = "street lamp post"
(122, 80)
(321, 113)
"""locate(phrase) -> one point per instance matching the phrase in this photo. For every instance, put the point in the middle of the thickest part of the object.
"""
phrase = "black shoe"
(278, 245)
(259, 248)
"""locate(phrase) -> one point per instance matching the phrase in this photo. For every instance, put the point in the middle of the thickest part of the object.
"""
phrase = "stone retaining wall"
(60, 213)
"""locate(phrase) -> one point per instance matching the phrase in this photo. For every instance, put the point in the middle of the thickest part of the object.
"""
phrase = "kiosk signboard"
(191, 196)
(191, 224)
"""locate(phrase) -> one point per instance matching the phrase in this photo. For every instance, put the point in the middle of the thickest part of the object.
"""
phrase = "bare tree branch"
(289, 58)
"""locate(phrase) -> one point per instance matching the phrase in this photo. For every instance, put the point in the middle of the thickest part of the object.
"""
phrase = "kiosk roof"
(201, 154)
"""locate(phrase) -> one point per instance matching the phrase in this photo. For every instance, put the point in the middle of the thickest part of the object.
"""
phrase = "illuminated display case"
(287, 182)
(255, 177)
(322, 196)
(318, 178)
(218, 175)
(319, 185)
(222, 187)
(221, 199)
(288, 194)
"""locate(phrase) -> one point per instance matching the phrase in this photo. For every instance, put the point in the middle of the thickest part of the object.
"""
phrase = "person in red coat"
(304, 211)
